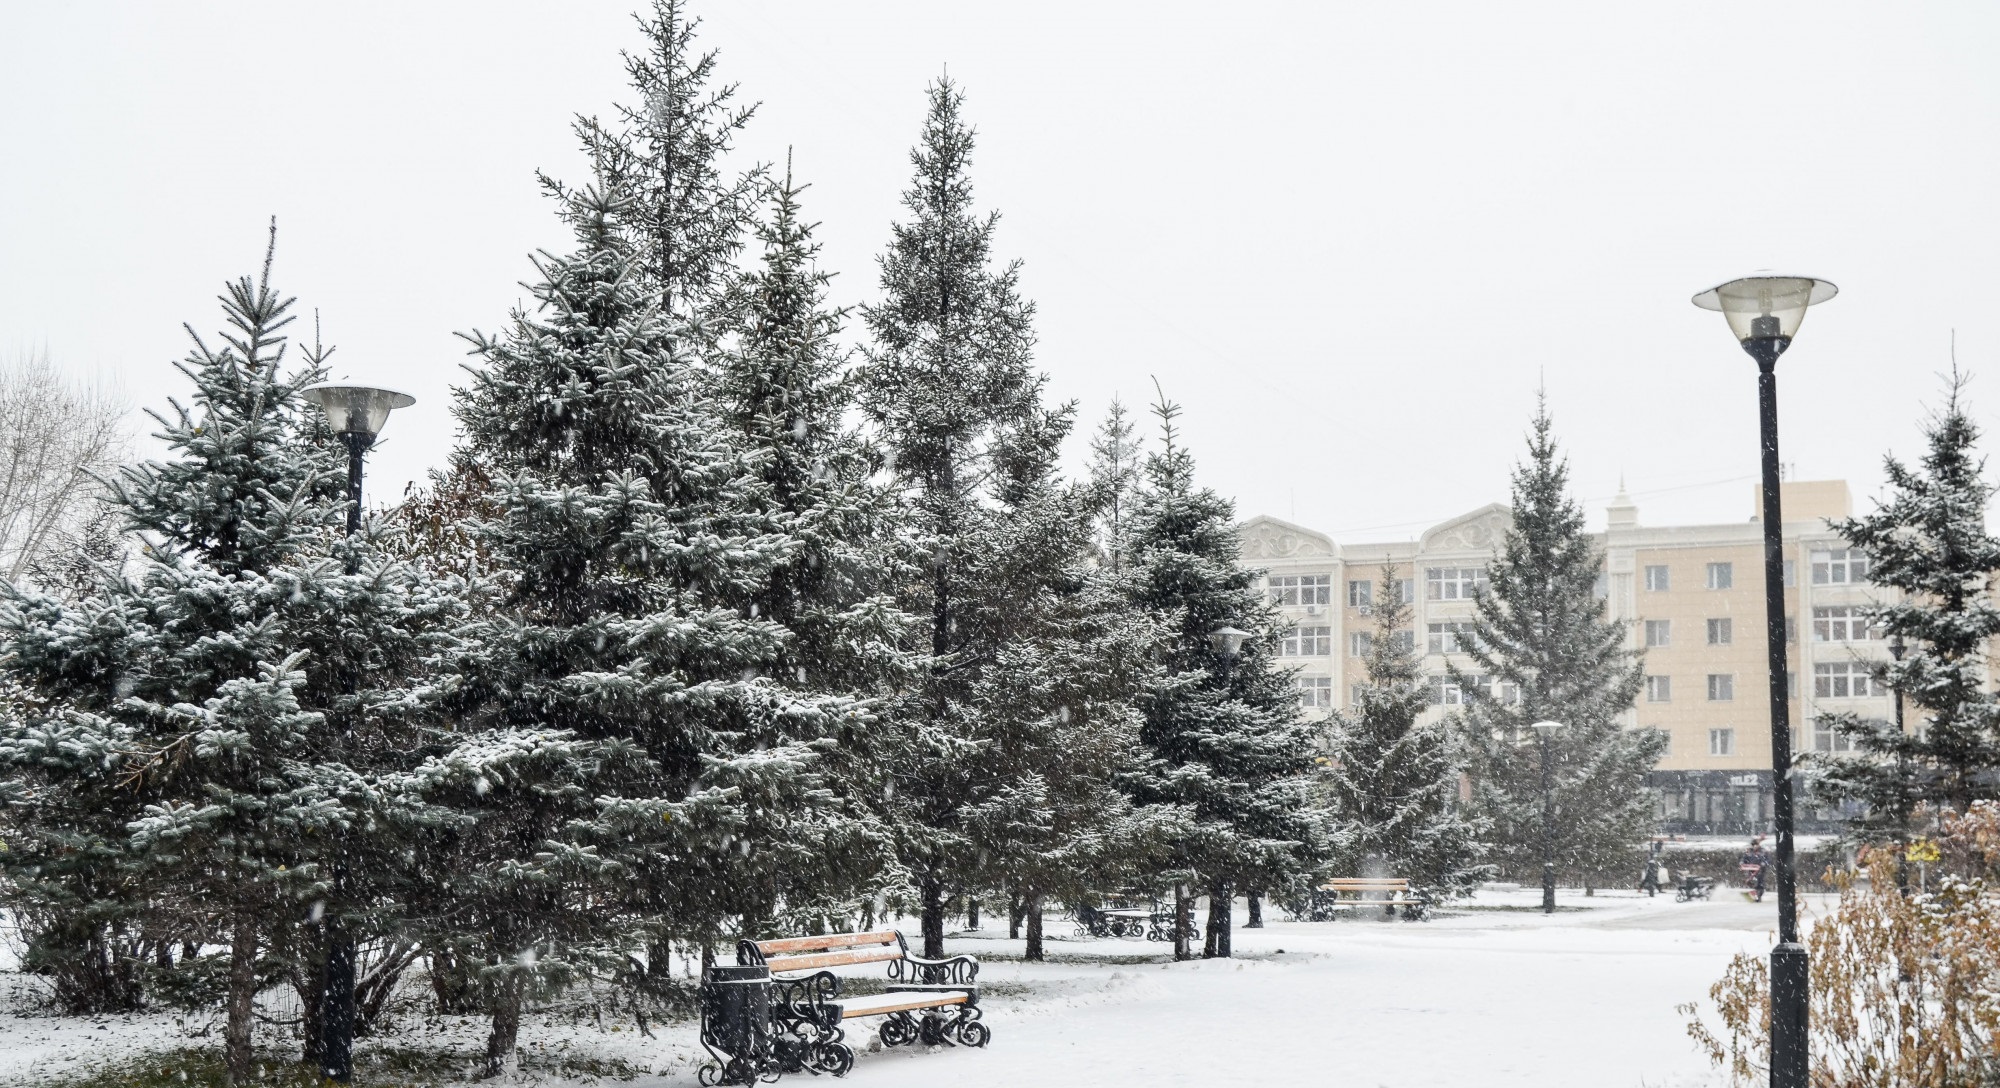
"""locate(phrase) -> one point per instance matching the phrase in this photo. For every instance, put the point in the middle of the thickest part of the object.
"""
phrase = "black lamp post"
(357, 414)
(1764, 312)
(1545, 732)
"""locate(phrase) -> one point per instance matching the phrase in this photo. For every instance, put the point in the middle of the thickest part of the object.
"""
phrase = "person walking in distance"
(1755, 862)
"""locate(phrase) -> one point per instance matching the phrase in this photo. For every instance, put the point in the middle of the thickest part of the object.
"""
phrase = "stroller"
(1693, 887)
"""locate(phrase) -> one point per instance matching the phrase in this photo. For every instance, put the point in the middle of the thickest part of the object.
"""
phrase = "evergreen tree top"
(237, 491)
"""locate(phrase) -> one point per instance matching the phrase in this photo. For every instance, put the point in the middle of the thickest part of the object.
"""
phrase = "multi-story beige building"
(1692, 595)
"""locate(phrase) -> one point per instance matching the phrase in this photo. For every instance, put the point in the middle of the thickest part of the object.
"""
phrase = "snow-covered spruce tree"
(950, 387)
(1114, 473)
(1929, 543)
(1541, 628)
(1392, 780)
(689, 219)
(1055, 713)
(785, 387)
(227, 721)
(1224, 742)
(630, 525)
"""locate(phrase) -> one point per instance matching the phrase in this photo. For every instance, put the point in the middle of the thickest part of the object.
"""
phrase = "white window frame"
(1453, 583)
(1659, 689)
(1360, 643)
(1842, 623)
(1722, 741)
(1825, 738)
(1445, 693)
(1360, 593)
(1839, 567)
(1721, 626)
(1315, 692)
(1659, 578)
(1726, 687)
(1294, 590)
(1845, 680)
(1722, 575)
(1449, 638)
(1664, 629)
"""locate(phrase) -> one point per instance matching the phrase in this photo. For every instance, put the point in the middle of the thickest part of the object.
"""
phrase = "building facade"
(1692, 597)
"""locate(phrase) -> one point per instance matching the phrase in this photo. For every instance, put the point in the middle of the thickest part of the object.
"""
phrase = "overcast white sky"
(1347, 237)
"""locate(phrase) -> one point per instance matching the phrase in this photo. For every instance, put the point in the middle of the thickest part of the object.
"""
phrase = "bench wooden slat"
(899, 1002)
(831, 940)
(834, 959)
(1365, 884)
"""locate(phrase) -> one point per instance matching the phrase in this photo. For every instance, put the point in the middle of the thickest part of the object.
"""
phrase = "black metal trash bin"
(736, 1021)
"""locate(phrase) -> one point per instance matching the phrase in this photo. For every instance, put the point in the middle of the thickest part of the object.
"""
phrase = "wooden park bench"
(1356, 892)
(799, 1025)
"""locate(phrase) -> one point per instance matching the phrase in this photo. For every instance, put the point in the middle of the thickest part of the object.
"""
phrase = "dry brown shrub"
(1905, 990)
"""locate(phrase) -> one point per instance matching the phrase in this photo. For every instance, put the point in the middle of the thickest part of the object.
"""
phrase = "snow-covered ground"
(1493, 993)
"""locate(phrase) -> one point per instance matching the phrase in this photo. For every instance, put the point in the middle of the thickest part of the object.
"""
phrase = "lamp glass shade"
(1227, 641)
(1546, 728)
(356, 409)
(1761, 306)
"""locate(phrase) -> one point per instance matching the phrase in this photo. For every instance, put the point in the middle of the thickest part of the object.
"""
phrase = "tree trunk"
(1183, 922)
(1013, 917)
(452, 985)
(1216, 942)
(971, 913)
(500, 1042)
(1256, 911)
(1034, 913)
(236, 1054)
(933, 920)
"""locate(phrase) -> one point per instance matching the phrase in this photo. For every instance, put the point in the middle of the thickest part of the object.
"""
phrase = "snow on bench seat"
(881, 1004)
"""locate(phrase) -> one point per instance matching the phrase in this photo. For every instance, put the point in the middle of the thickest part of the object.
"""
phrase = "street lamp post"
(1764, 313)
(357, 414)
(1546, 732)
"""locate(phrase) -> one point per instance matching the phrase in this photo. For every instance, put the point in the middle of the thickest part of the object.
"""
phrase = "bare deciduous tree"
(58, 436)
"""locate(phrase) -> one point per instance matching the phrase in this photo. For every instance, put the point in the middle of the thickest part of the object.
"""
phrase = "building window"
(1406, 642)
(1841, 623)
(1791, 628)
(1659, 689)
(1791, 573)
(1453, 583)
(1360, 594)
(1722, 742)
(1825, 738)
(1445, 693)
(1360, 644)
(1450, 638)
(1839, 566)
(1719, 632)
(1297, 589)
(1721, 687)
(1659, 633)
(1315, 692)
(1721, 575)
(1845, 680)
(1656, 579)
(1307, 642)
(1601, 588)
(1509, 693)
(1354, 694)
(1406, 590)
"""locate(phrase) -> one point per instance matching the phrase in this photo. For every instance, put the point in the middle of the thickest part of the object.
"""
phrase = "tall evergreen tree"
(951, 390)
(231, 721)
(1115, 464)
(632, 527)
(1225, 743)
(786, 389)
(1930, 545)
(1393, 779)
(1540, 629)
(689, 217)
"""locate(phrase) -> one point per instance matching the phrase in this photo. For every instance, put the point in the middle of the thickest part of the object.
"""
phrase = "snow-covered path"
(1500, 998)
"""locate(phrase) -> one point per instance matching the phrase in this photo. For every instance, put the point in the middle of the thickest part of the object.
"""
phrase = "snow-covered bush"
(1905, 988)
